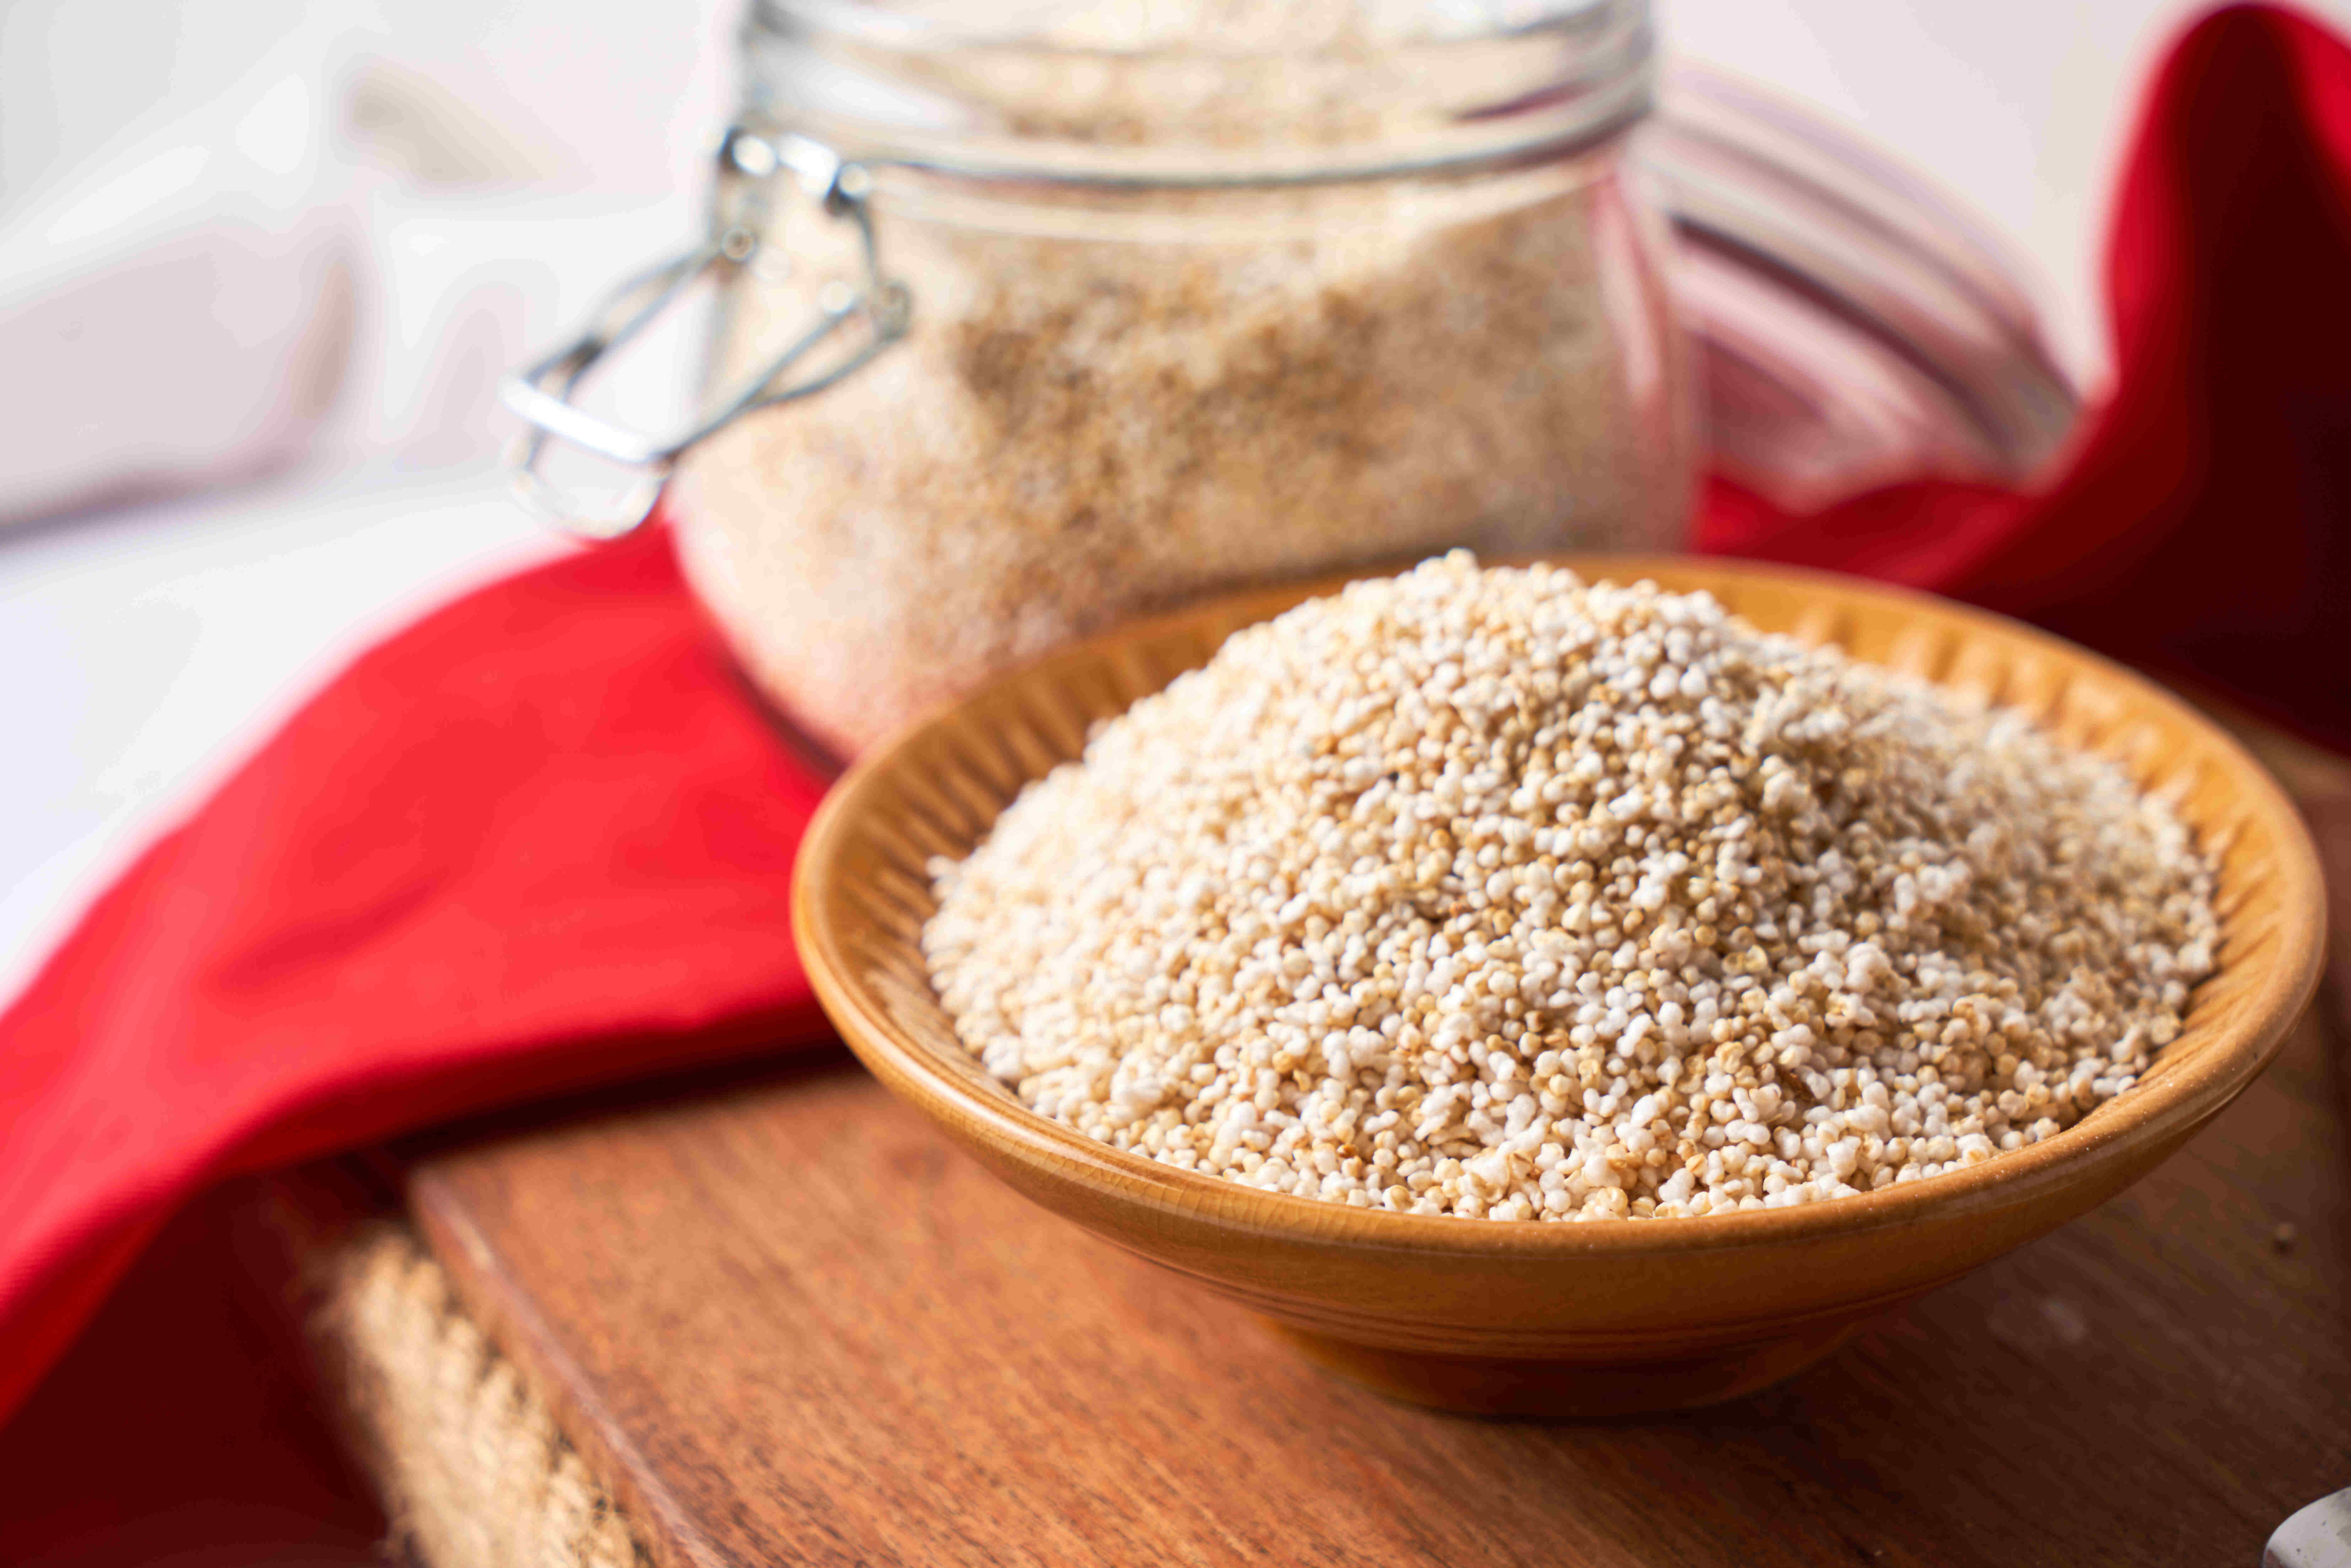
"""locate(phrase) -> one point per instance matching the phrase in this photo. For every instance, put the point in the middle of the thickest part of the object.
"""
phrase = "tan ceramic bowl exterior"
(1527, 1317)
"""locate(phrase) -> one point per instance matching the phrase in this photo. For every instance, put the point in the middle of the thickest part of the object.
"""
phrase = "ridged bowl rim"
(2272, 929)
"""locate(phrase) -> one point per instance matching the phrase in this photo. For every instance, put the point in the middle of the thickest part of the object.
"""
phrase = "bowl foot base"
(1562, 1390)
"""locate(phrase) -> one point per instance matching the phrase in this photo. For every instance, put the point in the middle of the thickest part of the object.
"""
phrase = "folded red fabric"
(2203, 528)
(540, 838)
(543, 838)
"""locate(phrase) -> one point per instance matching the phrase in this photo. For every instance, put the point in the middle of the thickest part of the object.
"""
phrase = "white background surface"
(143, 650)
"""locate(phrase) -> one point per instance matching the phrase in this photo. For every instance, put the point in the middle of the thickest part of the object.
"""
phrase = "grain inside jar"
(1121, 393)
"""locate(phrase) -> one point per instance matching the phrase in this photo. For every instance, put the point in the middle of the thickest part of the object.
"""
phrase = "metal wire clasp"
(540, 393)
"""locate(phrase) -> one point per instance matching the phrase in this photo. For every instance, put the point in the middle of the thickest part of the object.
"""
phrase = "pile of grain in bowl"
(1489, 893)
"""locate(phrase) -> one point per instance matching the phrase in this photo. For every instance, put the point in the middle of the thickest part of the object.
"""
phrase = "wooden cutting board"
(786, 1324)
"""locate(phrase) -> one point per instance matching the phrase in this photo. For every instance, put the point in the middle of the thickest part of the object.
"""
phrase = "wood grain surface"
(789, 1324)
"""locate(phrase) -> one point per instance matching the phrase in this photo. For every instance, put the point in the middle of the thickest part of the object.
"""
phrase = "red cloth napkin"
(543, 838)
(2204, 527)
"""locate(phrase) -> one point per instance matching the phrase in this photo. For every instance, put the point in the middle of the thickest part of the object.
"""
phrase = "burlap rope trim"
(473, 1472)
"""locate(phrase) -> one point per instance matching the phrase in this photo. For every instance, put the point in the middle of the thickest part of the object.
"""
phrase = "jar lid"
(1855, 326)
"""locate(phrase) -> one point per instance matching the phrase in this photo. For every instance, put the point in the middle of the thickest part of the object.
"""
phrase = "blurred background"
(309, 236)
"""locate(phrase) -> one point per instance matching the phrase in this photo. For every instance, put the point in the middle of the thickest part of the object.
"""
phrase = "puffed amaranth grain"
(1487, 893)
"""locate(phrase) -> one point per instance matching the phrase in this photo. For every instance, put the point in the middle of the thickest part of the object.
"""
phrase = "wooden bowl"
(1590, 1319)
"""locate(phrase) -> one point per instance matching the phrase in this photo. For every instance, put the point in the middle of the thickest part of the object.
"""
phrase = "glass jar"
(1853, 325)
(1034, 316)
